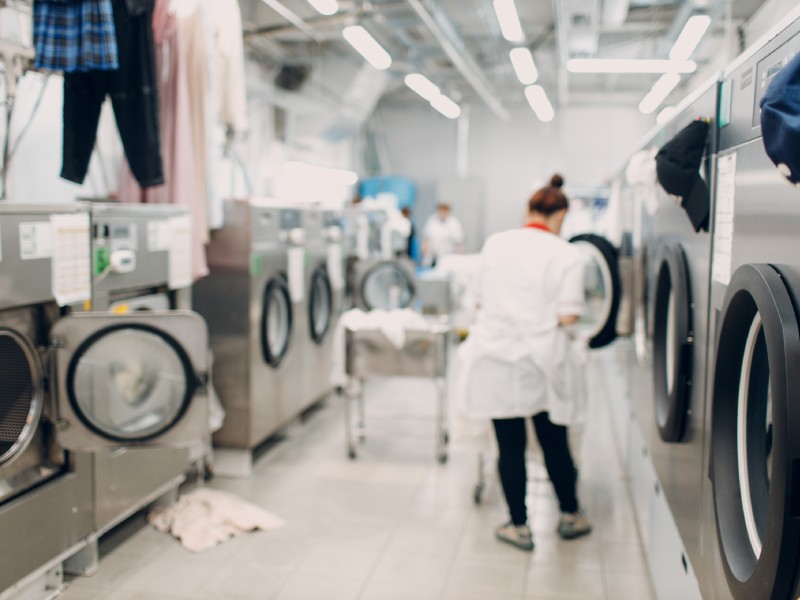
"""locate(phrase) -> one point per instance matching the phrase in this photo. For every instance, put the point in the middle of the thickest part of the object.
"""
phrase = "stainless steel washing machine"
(140, 259)
(76, 383)
(325, 299)
(752, 530)
(253, 302)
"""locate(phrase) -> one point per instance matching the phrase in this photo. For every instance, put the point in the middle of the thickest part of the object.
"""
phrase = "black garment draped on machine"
(134, 96)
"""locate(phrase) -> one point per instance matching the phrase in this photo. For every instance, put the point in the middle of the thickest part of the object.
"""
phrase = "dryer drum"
(755, 449)
(21, 394)
(276, 321)
(603, 286)
(130, 382)
(380, 284)
(672, 344)
(320, 306)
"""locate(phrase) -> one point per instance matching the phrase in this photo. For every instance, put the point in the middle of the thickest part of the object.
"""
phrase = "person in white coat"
(441, 236)
(529, 290)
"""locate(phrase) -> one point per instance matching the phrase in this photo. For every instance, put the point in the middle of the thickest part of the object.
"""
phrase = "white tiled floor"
(392, 525)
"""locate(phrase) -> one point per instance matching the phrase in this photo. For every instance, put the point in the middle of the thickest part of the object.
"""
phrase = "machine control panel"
(768, 68)
(290, 219)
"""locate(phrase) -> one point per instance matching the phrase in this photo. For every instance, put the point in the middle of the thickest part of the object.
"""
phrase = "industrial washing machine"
(324, 276)
(253, 299)
(141, 257)
(77, 383)
(377, 278)
(752, 530)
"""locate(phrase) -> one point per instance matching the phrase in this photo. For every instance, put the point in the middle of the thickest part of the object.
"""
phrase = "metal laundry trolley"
(369, 354)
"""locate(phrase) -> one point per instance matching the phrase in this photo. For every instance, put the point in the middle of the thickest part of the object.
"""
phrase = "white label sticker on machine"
(723, 224)
(297, 274)
(72, 272)
(159, 235)
(180, 252)
(335, 271)
(35, 240)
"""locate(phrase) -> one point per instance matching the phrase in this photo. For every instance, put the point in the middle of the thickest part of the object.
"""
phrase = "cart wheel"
(351, 453)
(442, 457)
(477, 495)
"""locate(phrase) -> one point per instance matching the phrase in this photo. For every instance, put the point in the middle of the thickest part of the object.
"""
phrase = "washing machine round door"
(387, 285)
(21, 394)
(672, 344)
(320, 305)
(276, 321)
(755, 447)
(602, 290)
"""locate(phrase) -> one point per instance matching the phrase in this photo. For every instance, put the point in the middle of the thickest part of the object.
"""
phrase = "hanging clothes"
(132, 89)
(176, 135)
(227, 17)
(75, 36)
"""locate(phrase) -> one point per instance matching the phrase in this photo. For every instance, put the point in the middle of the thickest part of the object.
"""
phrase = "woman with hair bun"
(530, 287)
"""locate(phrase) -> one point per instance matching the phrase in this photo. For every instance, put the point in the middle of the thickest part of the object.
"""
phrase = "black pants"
(511, 440)
(133, 94)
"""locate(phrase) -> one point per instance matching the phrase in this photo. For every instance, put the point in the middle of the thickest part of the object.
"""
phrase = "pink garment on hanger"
(177, 146)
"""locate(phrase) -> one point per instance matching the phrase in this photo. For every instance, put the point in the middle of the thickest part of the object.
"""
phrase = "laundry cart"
(370, 354)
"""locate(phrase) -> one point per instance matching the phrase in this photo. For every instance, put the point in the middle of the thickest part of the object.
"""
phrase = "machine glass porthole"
(276, 321)
(387, 286)
(320, 307)
(21, 395)
(130, 383)
(755, 456)
(672, 345)
(602, 290)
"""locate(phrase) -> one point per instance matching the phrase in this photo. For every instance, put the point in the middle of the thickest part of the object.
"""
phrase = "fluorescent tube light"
(446, 106)
(422, 86)
(524, 67)
(661, 89)
(508, 18)
(692, 33)
(366, 45)
(325, 7)
(666, 114)
(625, 65)
(539, 102)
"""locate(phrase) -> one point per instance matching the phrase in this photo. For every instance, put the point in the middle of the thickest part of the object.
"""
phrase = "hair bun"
(557, 181)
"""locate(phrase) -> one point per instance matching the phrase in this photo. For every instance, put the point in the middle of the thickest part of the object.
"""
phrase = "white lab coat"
(517, 360)
(443, 237)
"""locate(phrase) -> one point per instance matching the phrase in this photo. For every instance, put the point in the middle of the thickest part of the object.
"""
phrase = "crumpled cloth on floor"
(205, 518)
(392, 323)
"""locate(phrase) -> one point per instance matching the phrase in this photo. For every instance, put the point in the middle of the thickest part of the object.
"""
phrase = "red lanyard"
(539, 226)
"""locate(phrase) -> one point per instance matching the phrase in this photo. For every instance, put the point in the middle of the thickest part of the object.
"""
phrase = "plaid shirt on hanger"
(75, 36)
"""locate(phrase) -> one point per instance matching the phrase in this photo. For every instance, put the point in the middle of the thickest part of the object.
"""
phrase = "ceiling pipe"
(560, 26)
(293, 18)
(456, 52)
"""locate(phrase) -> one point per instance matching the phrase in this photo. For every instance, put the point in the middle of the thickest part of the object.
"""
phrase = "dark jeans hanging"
(511, 441)
(134, 96)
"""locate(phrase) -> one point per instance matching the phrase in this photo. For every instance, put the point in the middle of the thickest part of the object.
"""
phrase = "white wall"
(585, 144)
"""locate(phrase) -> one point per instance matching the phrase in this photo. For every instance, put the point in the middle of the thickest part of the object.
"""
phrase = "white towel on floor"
(205, 518)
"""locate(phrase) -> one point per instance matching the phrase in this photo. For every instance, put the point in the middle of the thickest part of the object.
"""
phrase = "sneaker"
(516, 535)
(574, 525)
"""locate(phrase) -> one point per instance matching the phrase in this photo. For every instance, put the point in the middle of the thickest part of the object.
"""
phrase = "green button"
(255, 264)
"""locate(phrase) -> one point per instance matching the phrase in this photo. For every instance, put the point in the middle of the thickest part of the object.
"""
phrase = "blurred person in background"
(441, 236)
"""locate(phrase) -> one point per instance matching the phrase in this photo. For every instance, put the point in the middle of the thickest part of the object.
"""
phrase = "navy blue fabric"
(75, 37)
(780, 120)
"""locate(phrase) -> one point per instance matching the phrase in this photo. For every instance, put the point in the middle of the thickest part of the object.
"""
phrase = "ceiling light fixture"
(690, 37)
(661, 89)
(325, 7)
(422, 86)
(508, 18)
(366, 45)
(524, 67)
(629, 65)
(446, 106)
(540, 103)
